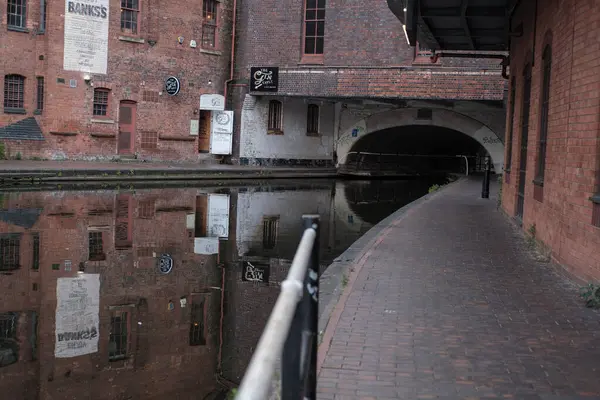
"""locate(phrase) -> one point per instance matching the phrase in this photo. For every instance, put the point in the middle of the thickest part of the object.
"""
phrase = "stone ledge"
(64, 133)
(177, 138)
(102, 121)
(103, 135)
(131, 39)
(211, 52)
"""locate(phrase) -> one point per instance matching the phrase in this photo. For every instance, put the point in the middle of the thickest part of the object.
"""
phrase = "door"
(204, 131)
(127, 113)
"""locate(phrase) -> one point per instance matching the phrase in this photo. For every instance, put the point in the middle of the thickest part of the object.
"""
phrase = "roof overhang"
(459, 25)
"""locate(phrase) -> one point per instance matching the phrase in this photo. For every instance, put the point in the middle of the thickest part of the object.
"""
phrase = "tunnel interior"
(417, 148)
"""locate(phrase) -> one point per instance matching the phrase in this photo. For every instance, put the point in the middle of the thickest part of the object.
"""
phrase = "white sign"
(213, 102)
(221, 143)
(206, 245)
(218, 215)
(222, 122)
(77, 315)
(86, 36)
(194, 127)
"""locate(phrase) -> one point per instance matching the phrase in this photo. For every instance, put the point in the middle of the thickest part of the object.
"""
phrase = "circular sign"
(172, 85)
(222, 118)
(165, 264)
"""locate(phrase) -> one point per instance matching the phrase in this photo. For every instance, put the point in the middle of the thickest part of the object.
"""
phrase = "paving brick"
(452, 305)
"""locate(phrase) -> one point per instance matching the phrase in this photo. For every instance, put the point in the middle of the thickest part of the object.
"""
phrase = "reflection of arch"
(439, 118)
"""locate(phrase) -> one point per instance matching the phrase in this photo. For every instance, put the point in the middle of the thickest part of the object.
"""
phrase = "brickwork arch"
(408, 116)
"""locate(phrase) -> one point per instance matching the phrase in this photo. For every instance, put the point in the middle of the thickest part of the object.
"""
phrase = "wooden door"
(204, 131)
(201, 215)
(127, 113)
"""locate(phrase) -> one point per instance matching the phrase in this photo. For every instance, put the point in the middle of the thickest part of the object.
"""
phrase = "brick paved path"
(449, 304)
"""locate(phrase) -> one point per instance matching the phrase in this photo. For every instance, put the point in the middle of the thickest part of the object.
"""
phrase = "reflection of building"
(155, 330)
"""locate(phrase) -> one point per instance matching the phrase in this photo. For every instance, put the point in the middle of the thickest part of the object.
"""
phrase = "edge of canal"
(337, 280)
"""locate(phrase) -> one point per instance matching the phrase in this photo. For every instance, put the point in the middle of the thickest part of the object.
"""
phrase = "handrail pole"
(256, 383)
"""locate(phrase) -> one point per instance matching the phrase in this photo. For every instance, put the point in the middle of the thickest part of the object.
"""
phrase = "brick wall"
(135, 67)
(561, 210)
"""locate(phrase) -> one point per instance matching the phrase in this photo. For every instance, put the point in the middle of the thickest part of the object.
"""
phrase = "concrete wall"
(559, 207)
(294, 145)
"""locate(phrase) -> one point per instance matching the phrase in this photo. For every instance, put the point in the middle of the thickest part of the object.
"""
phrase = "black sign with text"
(253, 272)
(264, 79)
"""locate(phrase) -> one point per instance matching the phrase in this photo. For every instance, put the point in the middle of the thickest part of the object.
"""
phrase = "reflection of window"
(129, 15)
(35, 263)
(275, 117)
(270, 228)
(8, 338)
(209, 24)
(96, 246)
(312, 123)
(197, 337)
(118, 339)
(10, 246)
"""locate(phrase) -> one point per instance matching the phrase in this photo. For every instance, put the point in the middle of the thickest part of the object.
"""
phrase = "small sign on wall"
(253, 272)
(212, 102)
(194, 127)
(172, 86)
(264, 79)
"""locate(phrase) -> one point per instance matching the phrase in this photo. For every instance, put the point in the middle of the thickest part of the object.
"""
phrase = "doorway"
(204, 131)
(127, 115)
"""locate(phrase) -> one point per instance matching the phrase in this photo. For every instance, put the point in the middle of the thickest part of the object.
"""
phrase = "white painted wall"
(294, 143)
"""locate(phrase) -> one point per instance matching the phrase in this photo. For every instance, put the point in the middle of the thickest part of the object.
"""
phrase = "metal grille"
(129, 15)
(40, 93)
(270, 228)
(511, 115)
(14, 91)
(16, 13)
(541, 167)
(146, 209)
(118, 338)
(197, 325)
(35, 263)
(10, 246)
(524, 142)
(312, 123)
(209, 23)
(149, 140)
(95, 246)
(275, 116)
(314, 27)
(100, 102)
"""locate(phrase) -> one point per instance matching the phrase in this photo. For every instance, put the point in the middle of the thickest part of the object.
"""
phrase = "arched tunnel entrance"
(416, 150)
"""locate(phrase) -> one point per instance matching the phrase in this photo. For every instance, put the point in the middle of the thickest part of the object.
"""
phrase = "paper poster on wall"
(86, 36)
(218, 215)
(206, 245)
(77, 315)
(221, 136)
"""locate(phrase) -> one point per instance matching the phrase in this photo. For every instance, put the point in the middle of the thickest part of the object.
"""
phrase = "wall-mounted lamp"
(87, 79)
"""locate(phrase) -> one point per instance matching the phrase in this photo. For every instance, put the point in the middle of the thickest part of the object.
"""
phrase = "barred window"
(14, 91)
(95, 246)
(209, 24)
(312, 123)
(197, 337)
(118, 340)
(275, 123)
(16, 13)
(40, 93)
(10, 249)
(130, 10)
(101, 102)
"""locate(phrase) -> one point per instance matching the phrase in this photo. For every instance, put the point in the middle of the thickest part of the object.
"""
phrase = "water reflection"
(158, 293)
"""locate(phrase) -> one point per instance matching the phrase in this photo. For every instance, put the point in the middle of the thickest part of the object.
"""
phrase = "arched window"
(14, 92)
(511, 116)
(101, 102)
(545, 100)
(312, 120)
(275, 125)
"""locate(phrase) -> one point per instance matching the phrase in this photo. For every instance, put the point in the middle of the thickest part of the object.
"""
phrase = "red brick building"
(552, 174)
(89, 82)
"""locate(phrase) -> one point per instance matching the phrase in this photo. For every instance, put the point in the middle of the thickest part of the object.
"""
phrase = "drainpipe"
(232, 62)
(505, 59)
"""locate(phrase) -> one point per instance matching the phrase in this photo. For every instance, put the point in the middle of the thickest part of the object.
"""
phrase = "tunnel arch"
(408, 116)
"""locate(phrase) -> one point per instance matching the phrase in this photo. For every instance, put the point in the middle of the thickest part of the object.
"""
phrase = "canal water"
(159, 293)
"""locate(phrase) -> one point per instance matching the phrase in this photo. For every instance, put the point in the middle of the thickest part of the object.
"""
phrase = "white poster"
(221, 143)
(218, 215)
(206, 245)
(77, 315)
(222, 122)
(86, 36)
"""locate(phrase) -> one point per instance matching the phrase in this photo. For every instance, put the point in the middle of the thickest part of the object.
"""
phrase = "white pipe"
(257, 381)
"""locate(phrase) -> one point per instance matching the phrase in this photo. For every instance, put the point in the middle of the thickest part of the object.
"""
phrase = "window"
(130, 10)
(526, 102)
(197, 337)
(146, 209)
(40, 93)
(10, 246)
(118, 340)
(270, 228)
(275, 117)
(209, 24)
(511, 115)
(8, 339)
(35, 262)
(545, 100)
(149, 140)
(95, 246)
(312, 123)
(314, 27)
(101, 102)
(43, 8)
(14, 92)
(16, 14)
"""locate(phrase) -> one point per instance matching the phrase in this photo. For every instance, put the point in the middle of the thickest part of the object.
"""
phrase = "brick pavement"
(449, 303)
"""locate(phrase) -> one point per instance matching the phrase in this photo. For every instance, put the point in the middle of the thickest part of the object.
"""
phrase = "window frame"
(275, 129)
(23, 26)
(113, 314)
(106, 115)
(313, 58)
(20, 91)
(14, 243)
(96, 256)
(542, 145)
(215, 25)
(39, 94)
(138, 20)
(198, 333)
(511, 125)
(310, 122)
(43, 16)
